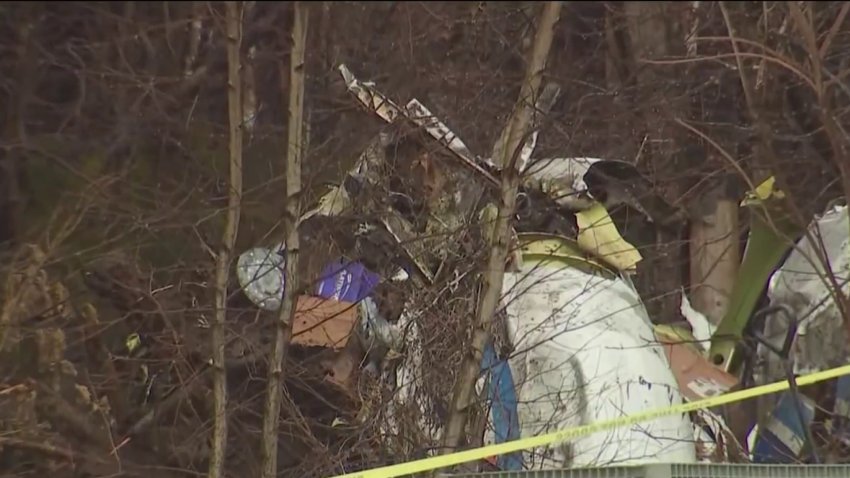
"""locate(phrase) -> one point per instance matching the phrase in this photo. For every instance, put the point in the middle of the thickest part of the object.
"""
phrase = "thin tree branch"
(838, 144)
(839, 20)
(512, 140)
(295, 153)
(231, 228)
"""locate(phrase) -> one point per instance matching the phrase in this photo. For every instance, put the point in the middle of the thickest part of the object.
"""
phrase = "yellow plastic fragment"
(598, 235)
(765, 190)
(132, 342)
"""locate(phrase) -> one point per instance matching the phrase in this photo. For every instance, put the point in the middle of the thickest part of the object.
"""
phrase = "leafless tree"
(228, 241)
(123, 125)
(294, 155)
(516, 133)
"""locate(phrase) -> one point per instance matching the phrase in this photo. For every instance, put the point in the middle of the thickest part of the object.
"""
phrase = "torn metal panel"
(371, 98)
(339, 199)
(421, 116)
(416, 113)
(697, 377)
(401, 231)
(562, 179)
(801, 284)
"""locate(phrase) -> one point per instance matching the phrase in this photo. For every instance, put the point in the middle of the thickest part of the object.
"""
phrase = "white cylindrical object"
(585, 352)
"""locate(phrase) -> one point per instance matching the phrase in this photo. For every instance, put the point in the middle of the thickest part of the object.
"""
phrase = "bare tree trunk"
(715, 253)
(714, 242)
(228, 240)
(510, 142)
(293, 192)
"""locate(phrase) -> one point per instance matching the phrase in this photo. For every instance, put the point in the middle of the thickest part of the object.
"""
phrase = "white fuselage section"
(585, 352)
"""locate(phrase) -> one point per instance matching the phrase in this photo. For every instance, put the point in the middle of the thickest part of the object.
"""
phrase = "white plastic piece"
(701, 328)
(751, 440)
(411, 403)
(374, 329)
(400, 276)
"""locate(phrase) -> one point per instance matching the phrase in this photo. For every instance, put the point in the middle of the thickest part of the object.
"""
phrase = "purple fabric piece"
(347, 282)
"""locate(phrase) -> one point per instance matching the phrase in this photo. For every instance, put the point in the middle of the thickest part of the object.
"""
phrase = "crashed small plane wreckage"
(804, 334)
(583, 347)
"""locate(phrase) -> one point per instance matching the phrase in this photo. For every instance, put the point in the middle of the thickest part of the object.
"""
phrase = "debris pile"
(117, 383)
(411, 244)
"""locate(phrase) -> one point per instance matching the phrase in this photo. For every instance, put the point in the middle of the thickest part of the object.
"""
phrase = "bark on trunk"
(292, 169)
(228, 240)
(510, 142)
(715, 253)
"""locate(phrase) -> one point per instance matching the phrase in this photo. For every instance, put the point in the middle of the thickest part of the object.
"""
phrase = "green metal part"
(772, 233)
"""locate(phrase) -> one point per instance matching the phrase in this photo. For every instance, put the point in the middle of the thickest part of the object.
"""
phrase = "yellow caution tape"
(443, 461)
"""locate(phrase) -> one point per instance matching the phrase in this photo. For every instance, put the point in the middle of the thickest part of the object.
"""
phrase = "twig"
(169, 402)
(839, 20)
(837, 141)
(56, 407)
(231, 228)
(45, 448)
(295, 153)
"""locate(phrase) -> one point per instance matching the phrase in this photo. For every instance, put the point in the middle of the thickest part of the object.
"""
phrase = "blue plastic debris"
(841, 410)
(783, 438)
(501, 394)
